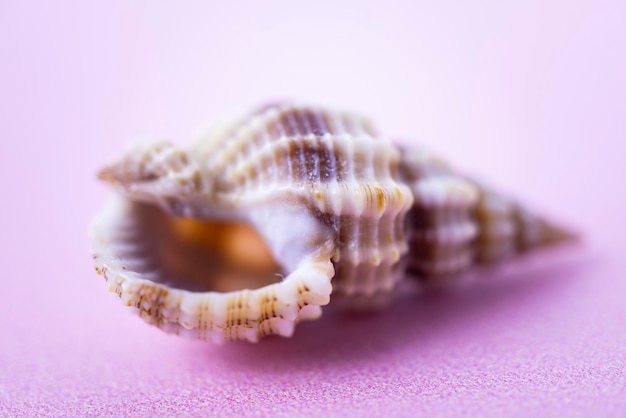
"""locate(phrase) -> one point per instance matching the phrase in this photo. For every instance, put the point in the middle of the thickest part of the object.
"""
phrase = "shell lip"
(273, 308)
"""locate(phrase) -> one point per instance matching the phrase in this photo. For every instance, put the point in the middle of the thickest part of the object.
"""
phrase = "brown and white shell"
(341, 209)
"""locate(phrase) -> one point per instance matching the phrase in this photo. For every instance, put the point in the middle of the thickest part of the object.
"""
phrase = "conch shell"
(340, 208)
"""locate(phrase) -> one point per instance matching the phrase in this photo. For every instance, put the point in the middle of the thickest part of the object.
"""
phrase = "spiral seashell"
(341, 209)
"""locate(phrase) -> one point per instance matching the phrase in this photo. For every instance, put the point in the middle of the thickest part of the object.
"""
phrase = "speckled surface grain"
(538, 346)
(530, 95)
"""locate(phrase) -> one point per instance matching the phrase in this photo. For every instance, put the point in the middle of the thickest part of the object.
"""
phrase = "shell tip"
(556, 235)
(107, 174)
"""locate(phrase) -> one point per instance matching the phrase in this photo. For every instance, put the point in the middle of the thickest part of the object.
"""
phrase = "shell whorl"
(441, 226)
(341, 209)
(338, 167)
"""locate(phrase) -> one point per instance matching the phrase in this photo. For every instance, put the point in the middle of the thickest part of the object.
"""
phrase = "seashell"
(340, 208)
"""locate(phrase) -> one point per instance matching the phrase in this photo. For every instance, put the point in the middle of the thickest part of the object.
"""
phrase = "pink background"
(531, 95)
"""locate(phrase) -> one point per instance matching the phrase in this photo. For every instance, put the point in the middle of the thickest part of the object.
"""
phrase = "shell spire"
(506, 228)
(339, 208)
(457, 223)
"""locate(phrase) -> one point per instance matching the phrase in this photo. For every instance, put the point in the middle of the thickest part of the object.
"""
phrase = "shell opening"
(197, 255)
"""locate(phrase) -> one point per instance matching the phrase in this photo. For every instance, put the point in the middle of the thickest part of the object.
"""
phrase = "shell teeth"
(310, 312)
(330, 197)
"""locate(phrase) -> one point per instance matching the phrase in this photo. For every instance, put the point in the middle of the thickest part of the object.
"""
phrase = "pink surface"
(528, 94)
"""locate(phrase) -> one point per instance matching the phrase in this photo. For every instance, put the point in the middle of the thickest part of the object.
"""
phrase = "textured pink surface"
(531, 95)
